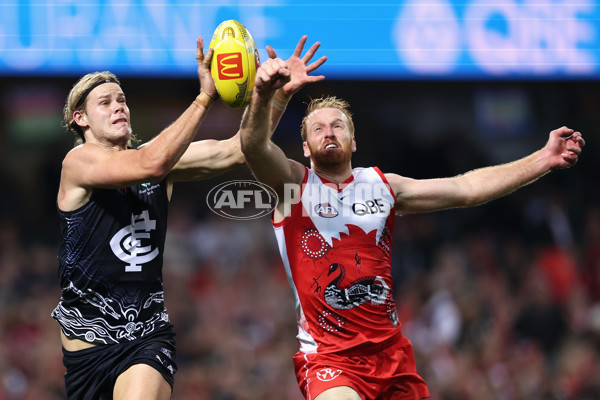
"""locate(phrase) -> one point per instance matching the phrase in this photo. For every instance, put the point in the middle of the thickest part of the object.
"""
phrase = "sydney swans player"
(335, 236)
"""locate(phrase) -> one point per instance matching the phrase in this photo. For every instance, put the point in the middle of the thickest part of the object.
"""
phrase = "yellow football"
(234, 63)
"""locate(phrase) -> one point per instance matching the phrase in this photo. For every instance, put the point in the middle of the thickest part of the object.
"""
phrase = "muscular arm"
(266, 160)
(483, 185)
(208, 158)
(92, 166)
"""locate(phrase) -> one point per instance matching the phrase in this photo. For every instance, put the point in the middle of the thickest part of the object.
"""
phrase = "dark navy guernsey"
(110, 265)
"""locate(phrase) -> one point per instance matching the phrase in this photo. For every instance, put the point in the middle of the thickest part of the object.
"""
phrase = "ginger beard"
(323, 157)
(329, 144)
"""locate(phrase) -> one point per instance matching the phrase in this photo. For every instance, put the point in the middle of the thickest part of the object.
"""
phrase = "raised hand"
(272, 74)
(207, 84)
(299, 66)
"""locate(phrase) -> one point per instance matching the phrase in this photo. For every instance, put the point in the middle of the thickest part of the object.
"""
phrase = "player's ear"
(306, 149)
(80, 119)
(353, 144)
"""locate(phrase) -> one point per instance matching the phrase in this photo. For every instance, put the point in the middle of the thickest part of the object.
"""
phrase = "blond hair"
(77, 100)
(327, 102)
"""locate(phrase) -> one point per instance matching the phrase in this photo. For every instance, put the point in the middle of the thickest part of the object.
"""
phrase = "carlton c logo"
(230, 66)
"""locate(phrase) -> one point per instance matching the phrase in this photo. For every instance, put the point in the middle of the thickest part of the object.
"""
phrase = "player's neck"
(334, 173)
(108, 142)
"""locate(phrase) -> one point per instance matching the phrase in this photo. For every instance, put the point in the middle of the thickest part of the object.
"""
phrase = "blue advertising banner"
(411, 39)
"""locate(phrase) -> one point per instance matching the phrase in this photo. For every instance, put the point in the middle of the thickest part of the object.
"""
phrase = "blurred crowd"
(501, 302)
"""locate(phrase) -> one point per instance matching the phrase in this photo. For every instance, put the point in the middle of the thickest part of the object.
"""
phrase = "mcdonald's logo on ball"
(234, 63)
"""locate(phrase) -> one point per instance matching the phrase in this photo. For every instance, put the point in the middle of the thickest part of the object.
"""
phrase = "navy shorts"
(92, 372)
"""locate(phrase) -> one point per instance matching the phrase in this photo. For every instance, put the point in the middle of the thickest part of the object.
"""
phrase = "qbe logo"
(242, 199)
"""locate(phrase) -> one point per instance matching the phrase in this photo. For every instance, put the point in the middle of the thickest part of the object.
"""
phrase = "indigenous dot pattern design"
(313, 245)
(330, 321)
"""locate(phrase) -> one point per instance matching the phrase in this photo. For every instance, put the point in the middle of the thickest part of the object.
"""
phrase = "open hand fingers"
(208, 57)
(199, 49)
(310, 68)
(300, 46)
(311, 52)
(201, 58)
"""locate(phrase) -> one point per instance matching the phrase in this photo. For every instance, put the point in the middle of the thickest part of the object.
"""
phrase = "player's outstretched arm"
(188, 123)
(90, 166)
(266, 160)
(482, 185)
(205, 159)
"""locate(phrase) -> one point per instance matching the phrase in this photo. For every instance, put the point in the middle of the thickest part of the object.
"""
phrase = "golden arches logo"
(228, 31)
(230, 66)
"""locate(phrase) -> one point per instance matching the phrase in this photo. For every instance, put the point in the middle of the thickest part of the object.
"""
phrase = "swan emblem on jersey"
(371, 288)
(328, 374)
(127, 243)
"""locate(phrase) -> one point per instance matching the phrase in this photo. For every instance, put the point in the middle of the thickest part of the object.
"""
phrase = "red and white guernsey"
(336, 249)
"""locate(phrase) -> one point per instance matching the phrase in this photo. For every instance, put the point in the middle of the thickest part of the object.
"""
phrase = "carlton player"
(334, 227)
(118, 342)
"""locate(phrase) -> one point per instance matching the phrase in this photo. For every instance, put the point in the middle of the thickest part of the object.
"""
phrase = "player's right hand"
(272, 74)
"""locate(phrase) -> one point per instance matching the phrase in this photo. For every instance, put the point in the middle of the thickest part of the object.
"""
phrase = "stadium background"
(501, 301)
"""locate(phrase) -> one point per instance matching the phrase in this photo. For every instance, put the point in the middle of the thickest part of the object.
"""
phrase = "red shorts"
(384, 371)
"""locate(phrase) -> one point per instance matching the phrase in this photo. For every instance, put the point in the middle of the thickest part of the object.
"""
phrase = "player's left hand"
(207, 83)
(299, 66)
(272, 75)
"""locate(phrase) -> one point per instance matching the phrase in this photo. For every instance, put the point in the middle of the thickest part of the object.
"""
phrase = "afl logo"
(326, 210)
(241, 199)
